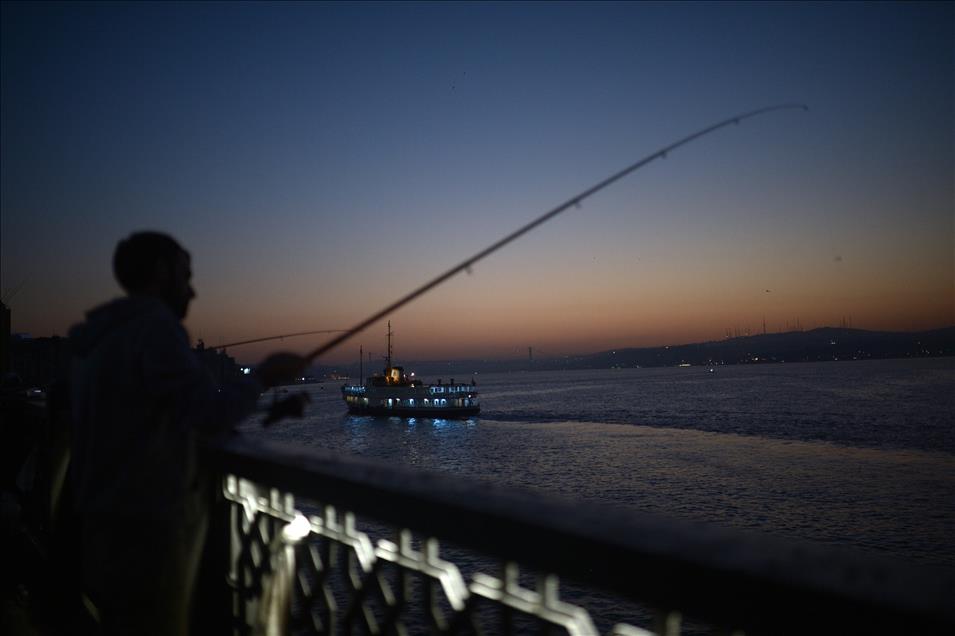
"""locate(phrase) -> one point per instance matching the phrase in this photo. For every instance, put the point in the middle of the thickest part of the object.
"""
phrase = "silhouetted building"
(39, 361)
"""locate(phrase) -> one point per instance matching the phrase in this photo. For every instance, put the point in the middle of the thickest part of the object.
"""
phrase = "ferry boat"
(394, 393)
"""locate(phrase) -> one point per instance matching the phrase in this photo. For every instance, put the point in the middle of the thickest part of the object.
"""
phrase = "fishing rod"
(466, 265)
(283, 337)
(571, 202)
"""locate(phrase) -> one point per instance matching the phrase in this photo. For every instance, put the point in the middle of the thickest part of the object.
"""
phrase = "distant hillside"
(827, 343)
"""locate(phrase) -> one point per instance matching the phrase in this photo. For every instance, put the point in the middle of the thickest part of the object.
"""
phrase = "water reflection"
(439, 444)
(859, 454)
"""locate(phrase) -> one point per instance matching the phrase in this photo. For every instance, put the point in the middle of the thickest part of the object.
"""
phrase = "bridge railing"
(315, 542)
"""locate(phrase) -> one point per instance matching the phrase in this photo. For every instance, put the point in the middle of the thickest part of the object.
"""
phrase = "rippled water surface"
(856, 454)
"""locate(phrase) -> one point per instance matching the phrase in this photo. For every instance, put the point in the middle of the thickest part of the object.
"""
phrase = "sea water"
(859, 455)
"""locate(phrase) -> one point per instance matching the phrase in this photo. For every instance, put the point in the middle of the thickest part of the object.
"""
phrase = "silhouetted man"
(140, 401)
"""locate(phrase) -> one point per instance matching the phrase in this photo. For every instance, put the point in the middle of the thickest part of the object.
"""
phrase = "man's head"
(154, 264)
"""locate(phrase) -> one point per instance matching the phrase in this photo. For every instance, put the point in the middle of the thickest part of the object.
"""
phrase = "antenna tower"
(390, 333)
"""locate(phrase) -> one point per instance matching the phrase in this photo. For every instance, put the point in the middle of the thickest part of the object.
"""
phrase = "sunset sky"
(321, 160)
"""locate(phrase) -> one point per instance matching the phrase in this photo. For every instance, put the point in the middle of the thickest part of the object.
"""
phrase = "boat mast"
(361, 363)
(388, 359)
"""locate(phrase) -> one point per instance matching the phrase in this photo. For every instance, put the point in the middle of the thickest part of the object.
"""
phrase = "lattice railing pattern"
(320, 574)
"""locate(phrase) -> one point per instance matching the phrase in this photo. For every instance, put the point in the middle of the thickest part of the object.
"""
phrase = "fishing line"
(16, 290)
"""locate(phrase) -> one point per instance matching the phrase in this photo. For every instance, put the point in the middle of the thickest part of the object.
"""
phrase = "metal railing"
(297, 558)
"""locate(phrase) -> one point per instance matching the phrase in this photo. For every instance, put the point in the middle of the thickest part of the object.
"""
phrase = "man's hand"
(280, 368)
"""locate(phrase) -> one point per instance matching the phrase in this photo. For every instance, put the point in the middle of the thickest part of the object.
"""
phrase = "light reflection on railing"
(268, 584)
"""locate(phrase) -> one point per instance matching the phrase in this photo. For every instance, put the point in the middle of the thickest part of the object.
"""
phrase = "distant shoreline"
(824, 344)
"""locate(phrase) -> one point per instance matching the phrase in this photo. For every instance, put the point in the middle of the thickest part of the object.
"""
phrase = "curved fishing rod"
(573, 201)
(288, 335)
(294, 406)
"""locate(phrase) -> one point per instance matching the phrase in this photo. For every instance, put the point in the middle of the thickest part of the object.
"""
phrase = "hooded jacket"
(140, 399)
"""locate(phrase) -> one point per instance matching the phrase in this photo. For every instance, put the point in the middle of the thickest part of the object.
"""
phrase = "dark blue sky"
(320, 160)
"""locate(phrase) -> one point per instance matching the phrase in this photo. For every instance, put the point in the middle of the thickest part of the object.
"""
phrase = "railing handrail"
(734, 579)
